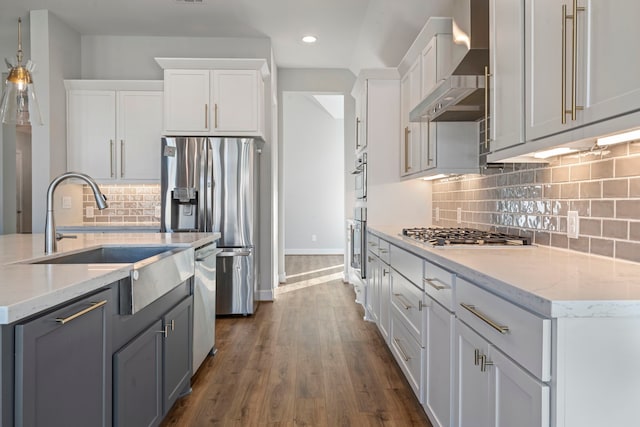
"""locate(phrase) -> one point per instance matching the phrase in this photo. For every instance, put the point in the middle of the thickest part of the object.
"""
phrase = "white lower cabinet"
(372, 304)
(493, 390)
(407, 351)
(439, 364)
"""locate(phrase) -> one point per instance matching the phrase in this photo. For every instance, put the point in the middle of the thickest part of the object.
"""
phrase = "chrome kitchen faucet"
(50, 236)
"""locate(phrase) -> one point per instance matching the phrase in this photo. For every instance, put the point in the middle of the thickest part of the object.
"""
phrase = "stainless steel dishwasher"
(204, 304)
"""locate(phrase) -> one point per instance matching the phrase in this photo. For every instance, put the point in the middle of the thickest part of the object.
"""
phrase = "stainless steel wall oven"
(360, 174)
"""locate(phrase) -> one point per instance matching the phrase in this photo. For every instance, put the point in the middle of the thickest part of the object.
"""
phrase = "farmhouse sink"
(108, 255)
(154, 271)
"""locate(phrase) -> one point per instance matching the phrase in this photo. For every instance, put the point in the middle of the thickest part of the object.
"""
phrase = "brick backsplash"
(128, 203)
(533, 200)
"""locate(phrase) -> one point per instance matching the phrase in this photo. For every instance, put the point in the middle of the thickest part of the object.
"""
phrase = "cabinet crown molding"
(152, 85)
(215, 64)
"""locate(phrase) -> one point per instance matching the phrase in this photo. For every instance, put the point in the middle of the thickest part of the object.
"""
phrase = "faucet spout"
(50, 245)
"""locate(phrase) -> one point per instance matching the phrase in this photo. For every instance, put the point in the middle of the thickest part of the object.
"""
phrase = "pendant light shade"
(19, 104)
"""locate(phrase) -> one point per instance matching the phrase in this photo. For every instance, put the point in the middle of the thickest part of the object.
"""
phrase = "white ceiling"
(351, 34)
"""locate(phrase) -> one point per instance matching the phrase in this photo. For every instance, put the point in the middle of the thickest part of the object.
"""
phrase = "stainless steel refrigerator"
(211, 184)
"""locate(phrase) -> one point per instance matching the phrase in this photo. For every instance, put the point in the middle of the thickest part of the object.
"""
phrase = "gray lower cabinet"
(154, 368)
(138, 380)
(62, 365)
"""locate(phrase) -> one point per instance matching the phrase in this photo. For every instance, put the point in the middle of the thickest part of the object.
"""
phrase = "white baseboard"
(282, 277)
(264, 295)
(339, 251)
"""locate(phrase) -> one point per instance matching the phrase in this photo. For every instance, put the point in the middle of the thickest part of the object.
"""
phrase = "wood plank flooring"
(307, 359)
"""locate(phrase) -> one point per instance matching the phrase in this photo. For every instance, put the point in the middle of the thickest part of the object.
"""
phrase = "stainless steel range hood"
(460, 97)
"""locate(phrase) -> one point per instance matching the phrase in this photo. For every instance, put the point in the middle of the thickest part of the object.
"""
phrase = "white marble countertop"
(26, 289)
(552, 282)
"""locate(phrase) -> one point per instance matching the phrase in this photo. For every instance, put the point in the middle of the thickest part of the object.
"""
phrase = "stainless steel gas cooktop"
(463, 236)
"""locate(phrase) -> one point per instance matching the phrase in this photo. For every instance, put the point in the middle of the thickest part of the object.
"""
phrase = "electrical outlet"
(314, 238)
(437, 214)
(66, 202)
(573, 224)
(88, 211)
(459, 215)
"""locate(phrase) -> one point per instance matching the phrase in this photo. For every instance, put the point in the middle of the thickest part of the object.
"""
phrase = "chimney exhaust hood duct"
(460, 97)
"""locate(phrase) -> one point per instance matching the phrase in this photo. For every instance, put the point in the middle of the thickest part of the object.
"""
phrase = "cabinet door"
(411, 137)
(506, 85)
(374, 287)
(139, 132)
(361, 117)
(439, 363)
(544, 80)
(429, 66)
(186, 101)
(137, 373)
(91, 133)
(177, 352)
(520, 399)
(235, 97)
(611, 78)
(472, 383)
(384, 323)
(428, 141)
(63, 366)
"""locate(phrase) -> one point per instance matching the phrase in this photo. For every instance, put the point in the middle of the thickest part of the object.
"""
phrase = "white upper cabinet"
(218, 102)
(506, 82)
(222, 97)
(236, 101)
(410, 89)
(436, 63)
(600, 78)
(186, 106)
(112, 134)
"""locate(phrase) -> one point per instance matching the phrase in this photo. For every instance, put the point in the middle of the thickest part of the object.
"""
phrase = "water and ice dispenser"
(184, 209)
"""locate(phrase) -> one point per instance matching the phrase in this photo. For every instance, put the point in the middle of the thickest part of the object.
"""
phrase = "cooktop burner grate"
(463, 236)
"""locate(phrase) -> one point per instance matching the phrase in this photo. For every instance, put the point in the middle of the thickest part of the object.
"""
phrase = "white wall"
(313, 170)
(339, 81)
(127, 57)
(55, 49)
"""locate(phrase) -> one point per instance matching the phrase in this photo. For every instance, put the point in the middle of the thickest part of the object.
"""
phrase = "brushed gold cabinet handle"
(357, 133)
(93, 306)
(215, 116)
(486, 107)
(406, 149)
(574, 60)
(403, 300)
(206, 116)
(111, 150)
(476, 357)
(431, 282)
(484, 363)
(403, 354)
(503, 329)
(122, 158)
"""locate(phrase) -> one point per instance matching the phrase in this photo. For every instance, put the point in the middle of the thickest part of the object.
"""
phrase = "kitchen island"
(525, 335)
(78, 347)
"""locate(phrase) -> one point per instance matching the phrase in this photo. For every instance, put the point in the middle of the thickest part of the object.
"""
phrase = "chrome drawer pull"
(431, 283)
(92, 307)
(401, 350)
(472, 308)
(403, 301)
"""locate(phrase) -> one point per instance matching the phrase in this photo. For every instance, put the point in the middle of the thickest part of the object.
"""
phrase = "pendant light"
(19, 104)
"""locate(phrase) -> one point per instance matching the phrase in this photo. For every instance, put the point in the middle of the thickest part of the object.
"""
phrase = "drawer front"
(407, 264)
(439, 284)
(408, 353)
(385, 250)
(520, 334)
(408, 301)
(373, 244)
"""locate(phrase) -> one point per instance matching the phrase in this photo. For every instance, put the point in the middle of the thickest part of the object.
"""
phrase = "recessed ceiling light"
(309, 39)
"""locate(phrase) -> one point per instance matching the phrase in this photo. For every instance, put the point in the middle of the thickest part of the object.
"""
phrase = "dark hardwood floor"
(307, 359)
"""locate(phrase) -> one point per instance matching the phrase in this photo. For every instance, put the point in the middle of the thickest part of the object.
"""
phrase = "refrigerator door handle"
(234, 253)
